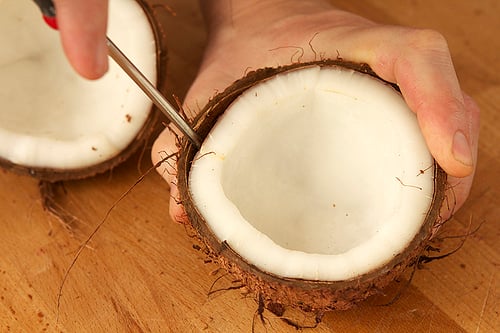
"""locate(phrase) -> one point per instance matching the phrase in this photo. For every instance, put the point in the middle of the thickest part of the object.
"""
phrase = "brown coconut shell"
(276, 291)
(148, 128)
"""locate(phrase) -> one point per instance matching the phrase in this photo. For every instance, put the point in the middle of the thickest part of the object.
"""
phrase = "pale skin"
(262, 33)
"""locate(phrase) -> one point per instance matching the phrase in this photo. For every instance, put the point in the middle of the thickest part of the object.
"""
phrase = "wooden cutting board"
(141, 272)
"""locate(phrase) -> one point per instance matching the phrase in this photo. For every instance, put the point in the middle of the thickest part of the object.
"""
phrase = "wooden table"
(141, 273)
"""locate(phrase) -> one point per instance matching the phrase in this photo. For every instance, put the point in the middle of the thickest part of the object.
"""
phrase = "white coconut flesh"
(315, 174)
(51, 117)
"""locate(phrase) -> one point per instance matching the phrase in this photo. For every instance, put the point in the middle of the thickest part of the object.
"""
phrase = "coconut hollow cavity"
(56, 125)
(313, 184)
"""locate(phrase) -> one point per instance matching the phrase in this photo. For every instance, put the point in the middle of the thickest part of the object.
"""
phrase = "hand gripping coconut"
(313, 185)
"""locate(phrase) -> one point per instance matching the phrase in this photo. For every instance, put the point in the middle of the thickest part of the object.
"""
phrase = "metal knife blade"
(150, 90)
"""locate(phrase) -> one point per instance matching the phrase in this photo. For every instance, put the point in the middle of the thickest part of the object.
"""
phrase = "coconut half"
(313, 185)
(53, 123)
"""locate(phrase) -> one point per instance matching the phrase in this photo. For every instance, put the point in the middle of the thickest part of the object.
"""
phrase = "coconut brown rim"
(141, 138)
(316, 296)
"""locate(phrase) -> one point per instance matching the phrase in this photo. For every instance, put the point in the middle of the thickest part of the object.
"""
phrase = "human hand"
(82, 25)
(256, 34)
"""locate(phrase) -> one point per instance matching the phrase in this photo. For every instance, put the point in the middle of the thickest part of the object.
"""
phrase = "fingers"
(165, 150)
(420, 63)
(82, 25)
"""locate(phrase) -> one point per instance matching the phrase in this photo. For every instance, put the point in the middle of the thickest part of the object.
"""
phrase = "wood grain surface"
(141, 273)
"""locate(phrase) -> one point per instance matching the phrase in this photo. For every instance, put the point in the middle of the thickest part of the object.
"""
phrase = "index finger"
(82, 25)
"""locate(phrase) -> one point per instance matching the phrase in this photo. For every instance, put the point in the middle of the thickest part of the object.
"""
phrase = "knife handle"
(48, 12)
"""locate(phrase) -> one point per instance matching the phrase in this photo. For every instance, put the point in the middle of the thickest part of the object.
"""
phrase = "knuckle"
(427, 39)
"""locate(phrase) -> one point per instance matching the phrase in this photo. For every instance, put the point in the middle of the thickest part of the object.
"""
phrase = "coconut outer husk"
(275, 291)
(142, 137)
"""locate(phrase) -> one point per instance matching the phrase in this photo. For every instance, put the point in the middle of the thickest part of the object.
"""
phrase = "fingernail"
(461, 149)
(102, 58)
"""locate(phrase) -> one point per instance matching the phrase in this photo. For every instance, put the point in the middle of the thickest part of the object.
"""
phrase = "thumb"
(425, 74)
